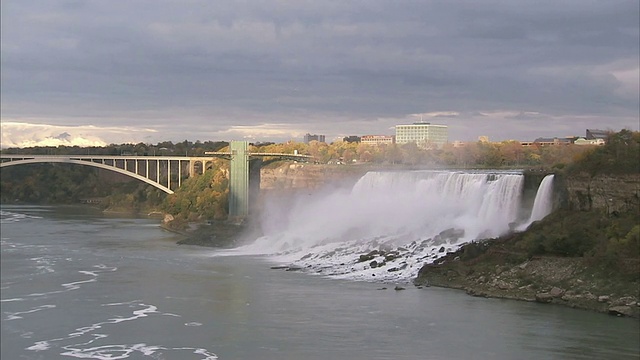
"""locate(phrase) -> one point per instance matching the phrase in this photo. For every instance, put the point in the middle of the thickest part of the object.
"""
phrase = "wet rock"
(452, 234)
(544, 297)
(168, 218)
(391, 256)
(365, 257)
(476, 293)
(470, 271)
(398, 288)
(504, 285)
(621, 311)
(556, 292)
(373, 264)
(624, 301)
(293, 268)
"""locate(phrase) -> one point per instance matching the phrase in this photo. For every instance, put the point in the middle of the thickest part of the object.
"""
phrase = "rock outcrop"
(564, 281)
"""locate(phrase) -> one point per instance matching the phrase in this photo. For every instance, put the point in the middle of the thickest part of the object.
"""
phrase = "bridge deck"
(164, 171)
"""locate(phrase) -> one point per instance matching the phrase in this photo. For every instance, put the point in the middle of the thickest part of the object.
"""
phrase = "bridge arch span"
(88, 163)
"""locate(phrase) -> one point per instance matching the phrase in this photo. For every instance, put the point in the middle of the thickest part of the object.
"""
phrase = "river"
(80, 284)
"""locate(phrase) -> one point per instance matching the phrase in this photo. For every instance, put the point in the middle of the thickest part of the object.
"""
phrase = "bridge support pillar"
(192, 168)
(239, 181)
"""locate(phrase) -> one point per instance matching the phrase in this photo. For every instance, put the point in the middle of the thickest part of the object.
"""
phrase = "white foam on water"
(40, 346)
(44, 264)
(12, 300)
(10, 216)
(398, 220)
(88, 349)
(17, 315)
(77, 284)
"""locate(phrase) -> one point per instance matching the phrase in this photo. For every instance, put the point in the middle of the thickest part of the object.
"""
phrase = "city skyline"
(93, 73)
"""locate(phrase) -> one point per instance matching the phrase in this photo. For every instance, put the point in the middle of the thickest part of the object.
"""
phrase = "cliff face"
(613, 194)
(309, 176)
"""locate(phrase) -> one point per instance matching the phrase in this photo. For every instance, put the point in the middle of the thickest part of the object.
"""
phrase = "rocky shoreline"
(573, 282)
(218, 234)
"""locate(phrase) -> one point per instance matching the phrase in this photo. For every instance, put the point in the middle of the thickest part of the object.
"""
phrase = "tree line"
(206, 196)
(471, 155)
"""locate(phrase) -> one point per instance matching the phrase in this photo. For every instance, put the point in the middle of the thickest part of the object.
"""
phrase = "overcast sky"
(97, 72)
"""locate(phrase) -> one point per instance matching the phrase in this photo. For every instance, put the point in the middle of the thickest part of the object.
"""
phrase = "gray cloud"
(198, 68)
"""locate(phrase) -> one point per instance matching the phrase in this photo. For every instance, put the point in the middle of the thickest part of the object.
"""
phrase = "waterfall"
(542, 205)
(417, 216)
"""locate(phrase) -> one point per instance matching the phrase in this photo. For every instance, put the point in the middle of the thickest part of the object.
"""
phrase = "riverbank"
(217, 234)
(496, 269)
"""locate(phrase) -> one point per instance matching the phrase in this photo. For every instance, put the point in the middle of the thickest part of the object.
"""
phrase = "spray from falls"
(390, 223)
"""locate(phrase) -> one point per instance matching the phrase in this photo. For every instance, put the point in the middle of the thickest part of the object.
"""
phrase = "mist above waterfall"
(389, 223)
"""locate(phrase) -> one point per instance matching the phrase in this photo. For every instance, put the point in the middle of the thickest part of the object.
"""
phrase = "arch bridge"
(159, 171)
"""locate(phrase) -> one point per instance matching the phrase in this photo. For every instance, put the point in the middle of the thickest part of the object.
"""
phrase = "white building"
(425, 135)
(583, 141)
(376, 139)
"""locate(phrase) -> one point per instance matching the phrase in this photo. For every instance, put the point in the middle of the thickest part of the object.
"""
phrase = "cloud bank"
(274, 70)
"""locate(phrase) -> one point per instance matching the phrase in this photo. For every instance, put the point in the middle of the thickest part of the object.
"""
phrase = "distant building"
(583, 141)
(553, 141)
(308, 138)
(351, 139)
(425, 135)
(593, 134)
(377, 139)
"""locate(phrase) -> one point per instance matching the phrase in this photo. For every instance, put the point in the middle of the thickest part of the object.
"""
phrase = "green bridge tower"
(239, 180)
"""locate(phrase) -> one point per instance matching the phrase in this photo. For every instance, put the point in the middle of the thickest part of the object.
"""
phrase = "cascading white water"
(410, 218)
(543, 203)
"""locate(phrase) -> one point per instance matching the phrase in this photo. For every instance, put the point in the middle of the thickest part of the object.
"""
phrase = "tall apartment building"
(425, 135)
(308, 138)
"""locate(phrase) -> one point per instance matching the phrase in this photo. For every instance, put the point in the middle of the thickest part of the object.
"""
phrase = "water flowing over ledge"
(390, 223)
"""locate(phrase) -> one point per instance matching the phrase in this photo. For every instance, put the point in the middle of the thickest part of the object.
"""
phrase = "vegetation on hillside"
(72, 184)
(620, 155)
(203, 197)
